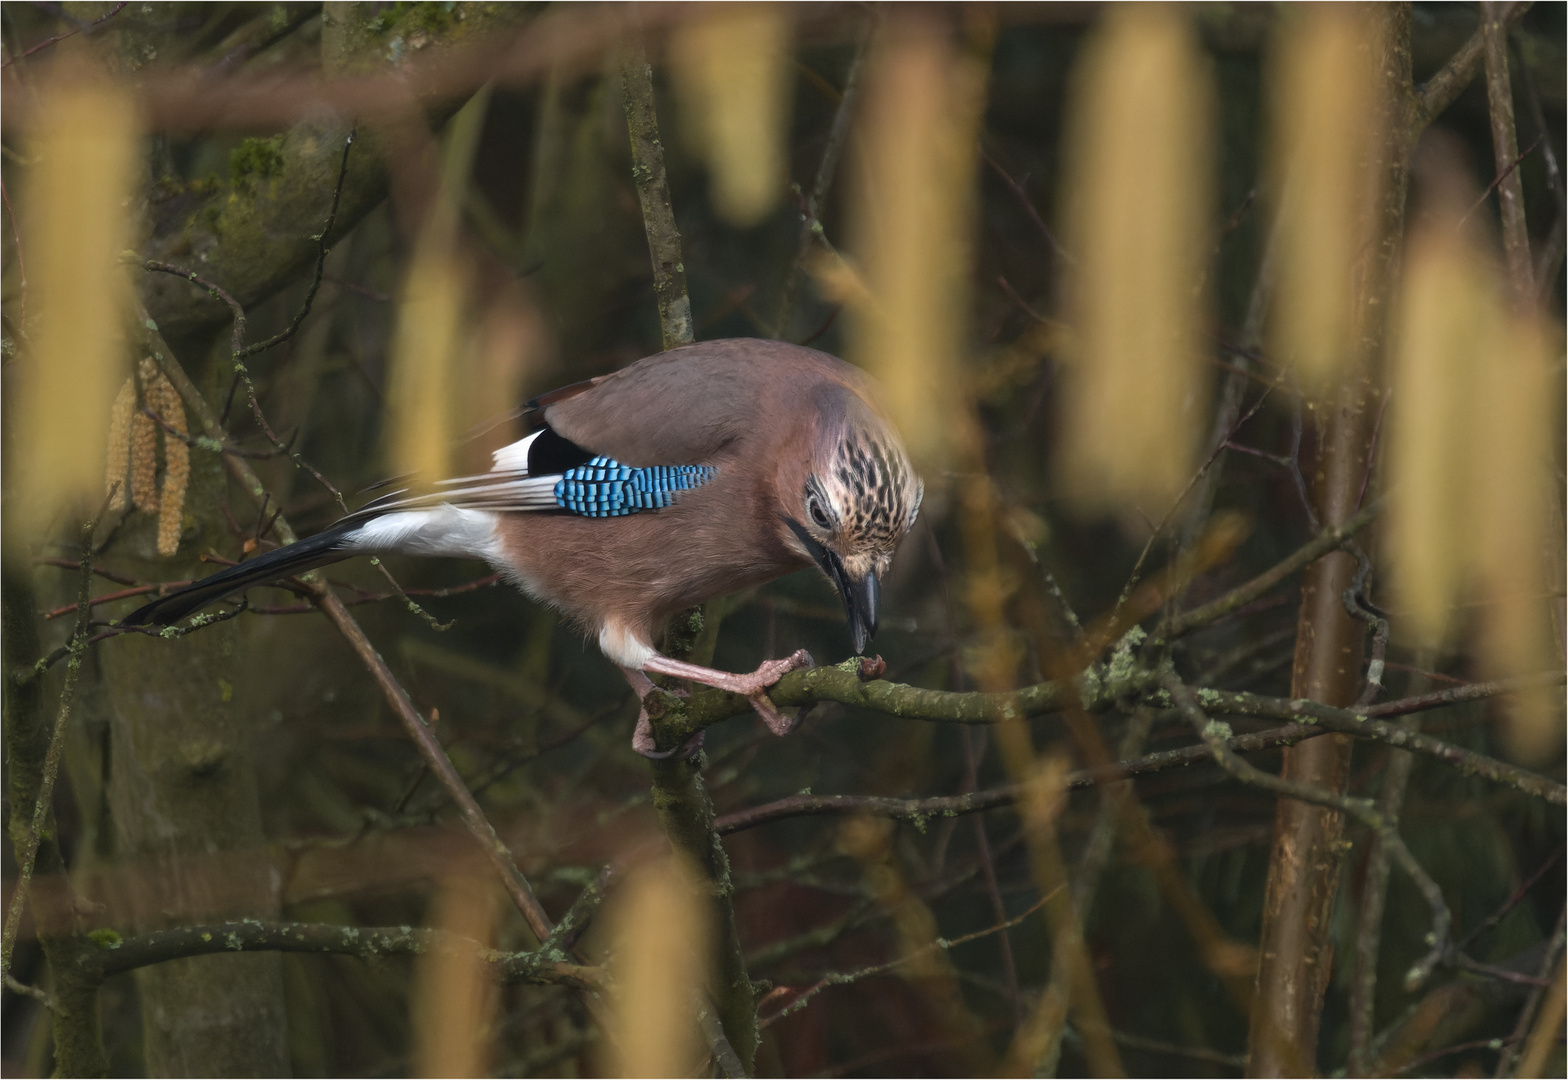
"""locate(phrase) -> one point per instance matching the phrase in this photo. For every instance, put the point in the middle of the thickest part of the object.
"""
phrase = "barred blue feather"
(603, 487)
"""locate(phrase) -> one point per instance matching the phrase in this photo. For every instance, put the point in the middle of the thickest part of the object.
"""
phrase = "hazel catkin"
(119, 454)
(164, 400)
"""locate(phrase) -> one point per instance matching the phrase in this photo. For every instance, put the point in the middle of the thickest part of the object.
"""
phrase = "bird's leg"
(753, 686)
(642, 735)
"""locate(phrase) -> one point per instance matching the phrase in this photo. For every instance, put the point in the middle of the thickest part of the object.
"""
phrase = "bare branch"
(43, 805)
(1240, 597)
(1442, 89)
(119, 955)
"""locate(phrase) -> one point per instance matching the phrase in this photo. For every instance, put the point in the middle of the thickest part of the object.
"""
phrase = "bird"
(685, 476)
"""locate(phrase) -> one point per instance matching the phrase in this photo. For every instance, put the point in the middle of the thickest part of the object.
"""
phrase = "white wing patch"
(506, 487)
(442, 530)
(513, 458)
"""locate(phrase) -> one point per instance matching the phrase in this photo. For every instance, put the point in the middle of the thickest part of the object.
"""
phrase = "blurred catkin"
(85, 143)
(454, 998)
(1513, 554)
(731, 69)
(914, 215)
(1325, 170)
(1445, 314)
(661, 945)
(426, 383)
(118, 455)
(1470, 433)
(930, 969)
(1138, 192)
(420, 428)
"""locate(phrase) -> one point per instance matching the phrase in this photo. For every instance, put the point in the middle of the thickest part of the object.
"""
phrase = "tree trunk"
(1295, 955)
(182, 787)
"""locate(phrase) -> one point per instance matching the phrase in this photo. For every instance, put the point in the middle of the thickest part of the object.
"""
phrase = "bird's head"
(856, 503)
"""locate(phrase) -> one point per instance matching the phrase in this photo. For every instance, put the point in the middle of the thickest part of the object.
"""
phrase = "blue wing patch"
(603, 487)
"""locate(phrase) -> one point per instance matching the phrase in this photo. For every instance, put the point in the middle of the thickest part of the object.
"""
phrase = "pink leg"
(642, 735)
(753, 686)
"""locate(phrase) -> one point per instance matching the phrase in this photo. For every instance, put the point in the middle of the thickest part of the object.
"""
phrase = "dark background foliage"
(354, 831)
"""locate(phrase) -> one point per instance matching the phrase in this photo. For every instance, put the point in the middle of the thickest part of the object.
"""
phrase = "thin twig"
(653, 193)
(1027, 204)
(43, 806)
(1505, 151)
(424, 739)
(120, 955)
(1194, 1053)
(1373, 905)
(1170, 515)
(1444, 88)
(1320, 545)
(1216, 736)
(109, 598)
(1512, 902)
(79, 28)
(17, 986)
(431, 750)
(1549, 965)
(940, 944)
(827, 168)
(921, 811)
(322, 248)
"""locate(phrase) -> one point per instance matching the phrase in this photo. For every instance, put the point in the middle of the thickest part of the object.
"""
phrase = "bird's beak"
(860, 601)
(860, 597)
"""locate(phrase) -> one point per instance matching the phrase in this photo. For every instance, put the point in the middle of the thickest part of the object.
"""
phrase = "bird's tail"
(302, 555)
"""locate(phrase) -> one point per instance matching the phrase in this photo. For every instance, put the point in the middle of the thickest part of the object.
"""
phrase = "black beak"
(860, 600)
(860, 597)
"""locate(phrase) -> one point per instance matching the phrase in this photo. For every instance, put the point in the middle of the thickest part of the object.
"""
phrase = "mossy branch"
(653, 193)
(115, 955)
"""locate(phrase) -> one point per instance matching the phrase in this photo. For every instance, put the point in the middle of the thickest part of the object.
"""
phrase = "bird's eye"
(819, 516)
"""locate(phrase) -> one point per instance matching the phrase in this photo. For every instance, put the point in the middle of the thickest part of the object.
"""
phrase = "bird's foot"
(753, 685)
(643, 741)
(642, 736)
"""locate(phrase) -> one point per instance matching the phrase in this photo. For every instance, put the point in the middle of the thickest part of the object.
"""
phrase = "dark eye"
(819, 516)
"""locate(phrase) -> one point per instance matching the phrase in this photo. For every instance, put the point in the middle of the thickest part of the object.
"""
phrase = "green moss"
(434, 18)
(105, 939)
(256, 157)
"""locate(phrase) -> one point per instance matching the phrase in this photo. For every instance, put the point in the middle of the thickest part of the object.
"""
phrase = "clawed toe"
(643, 742)
(754, 686)
(777, 722)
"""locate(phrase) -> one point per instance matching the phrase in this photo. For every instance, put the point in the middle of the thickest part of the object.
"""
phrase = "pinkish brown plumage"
(783, 459)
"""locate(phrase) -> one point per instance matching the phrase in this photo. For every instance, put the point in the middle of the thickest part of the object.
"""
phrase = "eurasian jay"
(683, 477)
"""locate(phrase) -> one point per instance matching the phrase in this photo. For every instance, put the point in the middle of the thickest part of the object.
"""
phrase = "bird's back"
(737, 405)
(686, 405)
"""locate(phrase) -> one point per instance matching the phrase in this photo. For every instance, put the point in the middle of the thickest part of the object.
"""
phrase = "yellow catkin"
(164, 400)
(119, 451)
(144, 462)
(144, 448)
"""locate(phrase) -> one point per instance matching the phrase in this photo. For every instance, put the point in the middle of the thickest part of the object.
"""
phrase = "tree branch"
(1311, 720)
(1505, 151)
(27, 841)
(402, 705)
(653, 193)
(1239, 597)
(117, 955)
(1216, 736)
(1442, 89)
